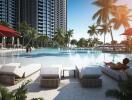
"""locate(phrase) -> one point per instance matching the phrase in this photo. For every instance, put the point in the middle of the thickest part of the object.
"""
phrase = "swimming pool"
(50, 56)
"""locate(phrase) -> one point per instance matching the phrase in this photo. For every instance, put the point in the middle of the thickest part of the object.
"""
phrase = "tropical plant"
(5, 94)
(89, 41)
(121, 17)
(73, 42)
(124, 92)
(4, 23)
(24, 29)
(21, 92)
(95, 41)
(68, 35)
(106, 8)
(93, 30)
(104, 29)
(43, 39)
(82, 42)
(59, 37)
(32, 36)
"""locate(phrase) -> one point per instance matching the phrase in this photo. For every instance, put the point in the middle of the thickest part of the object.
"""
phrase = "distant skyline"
(80, 14)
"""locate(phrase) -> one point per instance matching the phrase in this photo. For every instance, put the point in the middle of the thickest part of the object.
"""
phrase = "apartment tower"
(44, 15)
(9, 12)
(61, 14)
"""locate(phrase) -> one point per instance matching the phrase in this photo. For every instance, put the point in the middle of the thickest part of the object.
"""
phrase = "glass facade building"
(61, 14)
(44, 15)
(9, 12)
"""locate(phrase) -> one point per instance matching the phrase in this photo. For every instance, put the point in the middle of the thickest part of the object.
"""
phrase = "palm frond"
(99, 20)
(97, 14)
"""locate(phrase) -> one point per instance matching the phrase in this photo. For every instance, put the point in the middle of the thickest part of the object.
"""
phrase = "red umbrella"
(128, 32)
(8, 32)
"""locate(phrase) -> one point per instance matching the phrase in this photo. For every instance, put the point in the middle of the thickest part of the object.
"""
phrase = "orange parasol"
(128, 32)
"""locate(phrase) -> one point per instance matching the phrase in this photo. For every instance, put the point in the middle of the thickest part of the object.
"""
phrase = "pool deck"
(69, 89)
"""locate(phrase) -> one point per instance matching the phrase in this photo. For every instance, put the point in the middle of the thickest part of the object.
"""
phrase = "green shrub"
(21, 92)
(124, 92)
(5, 94)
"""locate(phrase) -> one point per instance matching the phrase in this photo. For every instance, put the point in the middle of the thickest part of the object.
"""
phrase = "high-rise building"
(39, 14)
(61, 14)
(44, 15)
(9, 12)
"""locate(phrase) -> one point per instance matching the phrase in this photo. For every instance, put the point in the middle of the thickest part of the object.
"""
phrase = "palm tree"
(24, 29)
(122, 17)
(59, 36)
(43, 39)
(32, 35)
(104, 29)
(95, 41)
(73, 42)
(68, 35)
(93, 30)
(89, 40)
(107, 7)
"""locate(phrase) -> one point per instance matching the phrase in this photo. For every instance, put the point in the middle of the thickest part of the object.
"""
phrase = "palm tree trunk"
(111, 34)
(104, 38)
(23, 41)
(32, 43)
(29, 42)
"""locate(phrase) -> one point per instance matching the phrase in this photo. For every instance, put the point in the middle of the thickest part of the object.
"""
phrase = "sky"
(80, 14)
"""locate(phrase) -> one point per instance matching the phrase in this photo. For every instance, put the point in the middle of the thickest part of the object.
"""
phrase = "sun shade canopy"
(8, 32)
(128, 32)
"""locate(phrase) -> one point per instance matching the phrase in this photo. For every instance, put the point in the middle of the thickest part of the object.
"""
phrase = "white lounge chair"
(89, 76)
(12, 73)
(118, 75)
(50, 77)
(30, 69)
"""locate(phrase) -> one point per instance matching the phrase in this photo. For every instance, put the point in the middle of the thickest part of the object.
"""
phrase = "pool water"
(50, 56)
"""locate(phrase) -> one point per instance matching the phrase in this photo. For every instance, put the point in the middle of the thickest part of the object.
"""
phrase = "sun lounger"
(18, 65)
(12, 73)
(50, 77)
(89, 76)
(118, 75)
(30, 69)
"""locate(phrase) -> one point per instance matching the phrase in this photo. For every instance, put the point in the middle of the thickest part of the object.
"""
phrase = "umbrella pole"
(13, 42)
(18, 42)
(3, 42)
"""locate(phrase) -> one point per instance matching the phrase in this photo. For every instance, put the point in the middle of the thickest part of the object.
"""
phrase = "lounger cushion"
(30, 69)
(50, 72)
(90, 72)
(50, 76)
(11, 70)
(129, 71)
